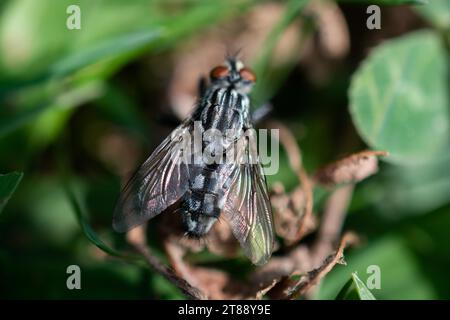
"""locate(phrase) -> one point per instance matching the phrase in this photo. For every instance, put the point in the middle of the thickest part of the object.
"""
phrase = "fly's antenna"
(233, 55)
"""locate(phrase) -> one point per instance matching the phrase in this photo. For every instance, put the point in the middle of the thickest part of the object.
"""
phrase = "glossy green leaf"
(355, 289)
(363, 292)
(414, 189)
(399, 98)
(8, 184)
(437, 12)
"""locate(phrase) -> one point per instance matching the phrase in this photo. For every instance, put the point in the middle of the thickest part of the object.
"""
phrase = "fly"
(207, 190)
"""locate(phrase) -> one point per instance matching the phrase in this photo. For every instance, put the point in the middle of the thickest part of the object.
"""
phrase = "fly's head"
(233, 74)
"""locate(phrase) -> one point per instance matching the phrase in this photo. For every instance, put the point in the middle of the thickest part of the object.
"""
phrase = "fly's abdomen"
(202, 203)
(222, 117)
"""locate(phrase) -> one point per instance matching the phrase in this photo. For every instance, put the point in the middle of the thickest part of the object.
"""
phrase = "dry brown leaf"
(221, 241)
(311, 278)
(216, 284)
(334, 36)
(301, 207)
(282, 266)
(289, 210)
(351, 169)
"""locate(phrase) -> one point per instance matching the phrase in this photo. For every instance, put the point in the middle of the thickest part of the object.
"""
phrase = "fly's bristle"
(202, 240)
(192, 236)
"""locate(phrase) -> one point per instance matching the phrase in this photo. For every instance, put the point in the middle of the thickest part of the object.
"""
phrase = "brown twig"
(261, 293)
(331, 224)
(288, 141)
(137, 239)
(313, 276)
(308, 189)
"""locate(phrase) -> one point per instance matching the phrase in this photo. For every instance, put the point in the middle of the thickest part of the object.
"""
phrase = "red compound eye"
(219, 72)
(247, 74)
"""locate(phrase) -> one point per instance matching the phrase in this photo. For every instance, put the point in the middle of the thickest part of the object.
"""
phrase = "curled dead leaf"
(351, 169)
(221, 240)
(215, 283)
(289, 211)
(283, 266)
(300, 202)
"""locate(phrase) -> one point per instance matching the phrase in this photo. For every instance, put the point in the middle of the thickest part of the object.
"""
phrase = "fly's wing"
(158, 183)
(247, 208)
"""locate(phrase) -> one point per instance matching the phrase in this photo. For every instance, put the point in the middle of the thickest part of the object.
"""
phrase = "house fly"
(234, 189)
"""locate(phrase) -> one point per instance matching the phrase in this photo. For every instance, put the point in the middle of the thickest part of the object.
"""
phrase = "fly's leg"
(168, 120)
(261, 113)
(202, 84)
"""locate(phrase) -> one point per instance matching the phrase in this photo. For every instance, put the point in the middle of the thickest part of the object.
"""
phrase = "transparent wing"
(158, 183)
(247, 208)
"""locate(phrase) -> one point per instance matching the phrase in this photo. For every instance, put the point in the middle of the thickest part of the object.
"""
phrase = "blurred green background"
(86, 106)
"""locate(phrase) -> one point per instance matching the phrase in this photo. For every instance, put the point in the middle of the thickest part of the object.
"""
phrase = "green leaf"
(87, 229)
(355, 289)
(8, 184)
(401, 275)
(437, 12)
(363, 292)
(398, 98)
(12, 122)
(107, 49)
(347, 292)
(59, 104)
(414, 189)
